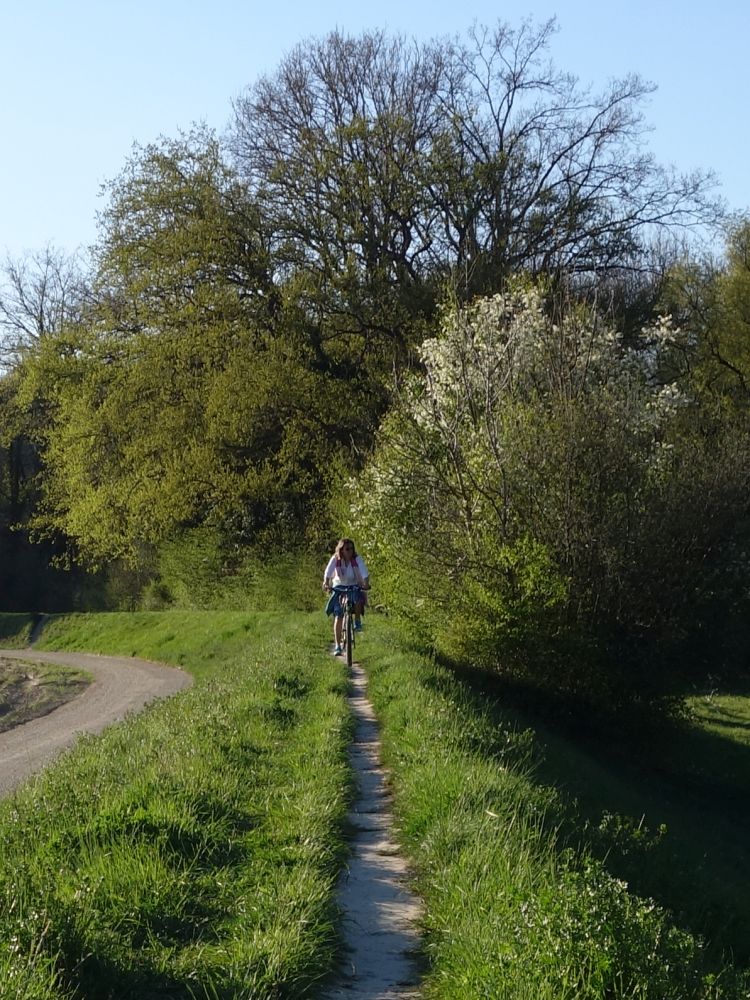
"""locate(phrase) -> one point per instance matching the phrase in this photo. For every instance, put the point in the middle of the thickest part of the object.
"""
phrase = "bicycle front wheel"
(349, 638)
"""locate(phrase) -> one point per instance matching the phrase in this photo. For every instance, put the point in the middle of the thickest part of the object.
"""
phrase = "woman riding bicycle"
(345, 569)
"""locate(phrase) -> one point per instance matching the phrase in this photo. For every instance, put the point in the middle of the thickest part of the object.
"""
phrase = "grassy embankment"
(517, 903)
(15, 630)
(192, 850)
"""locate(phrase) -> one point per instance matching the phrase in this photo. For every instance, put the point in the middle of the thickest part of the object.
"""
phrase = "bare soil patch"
(29, 689)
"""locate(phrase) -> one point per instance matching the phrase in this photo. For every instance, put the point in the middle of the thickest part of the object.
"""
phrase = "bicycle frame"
(346, 599)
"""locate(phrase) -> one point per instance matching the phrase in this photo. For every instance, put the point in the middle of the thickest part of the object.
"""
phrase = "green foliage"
(189, 573)
(714, 302)
(169, 404)
(541, 495)
(502, 614)
(236, 338)
(198, 570)
(28, 581)
(127, 451)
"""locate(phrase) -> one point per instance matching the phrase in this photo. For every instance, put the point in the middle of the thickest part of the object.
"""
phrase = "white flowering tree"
(540, 484)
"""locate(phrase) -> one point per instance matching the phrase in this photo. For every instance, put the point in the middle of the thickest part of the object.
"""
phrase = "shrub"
(545, 490)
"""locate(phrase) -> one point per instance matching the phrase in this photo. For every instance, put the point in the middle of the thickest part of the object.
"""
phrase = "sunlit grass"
(726, 715)
(192, 851)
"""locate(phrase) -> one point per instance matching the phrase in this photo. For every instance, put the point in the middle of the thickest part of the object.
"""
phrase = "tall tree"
(137, 442)
(535, 173)
(333, 144)
(712, 299)
(379, 158)
(39, 294)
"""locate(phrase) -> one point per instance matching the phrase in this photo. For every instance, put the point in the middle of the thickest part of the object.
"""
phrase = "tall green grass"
(668, 810)
(193, 850)
(514, 911)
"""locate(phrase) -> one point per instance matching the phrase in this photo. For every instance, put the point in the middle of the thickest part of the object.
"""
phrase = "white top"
(344, 574)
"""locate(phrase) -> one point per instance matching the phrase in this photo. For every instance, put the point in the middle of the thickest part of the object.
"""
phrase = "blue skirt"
(333, 604)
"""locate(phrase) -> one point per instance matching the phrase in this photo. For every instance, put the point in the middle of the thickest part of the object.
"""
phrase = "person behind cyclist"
(345, 569)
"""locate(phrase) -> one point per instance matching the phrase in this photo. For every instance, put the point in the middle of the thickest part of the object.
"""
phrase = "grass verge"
(15, 630)
(516, 906)
(193, 850)
(668, 810)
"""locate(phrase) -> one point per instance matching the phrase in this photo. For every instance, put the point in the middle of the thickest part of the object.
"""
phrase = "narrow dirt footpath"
(121, 685)
(380, 912)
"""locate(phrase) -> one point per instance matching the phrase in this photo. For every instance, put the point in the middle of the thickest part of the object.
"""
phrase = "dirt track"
(380, 912)
(121, 685)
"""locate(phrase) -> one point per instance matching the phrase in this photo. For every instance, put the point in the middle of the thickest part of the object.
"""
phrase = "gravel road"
(121, 685)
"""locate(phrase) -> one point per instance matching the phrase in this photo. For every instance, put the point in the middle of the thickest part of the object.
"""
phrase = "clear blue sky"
(81, 81)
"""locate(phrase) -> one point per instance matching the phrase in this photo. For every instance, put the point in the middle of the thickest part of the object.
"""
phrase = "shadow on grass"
(15, 629)
(100, 978)
(664, 803)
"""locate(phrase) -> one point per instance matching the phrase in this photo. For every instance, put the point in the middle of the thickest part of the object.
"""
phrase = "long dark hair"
(340, 547)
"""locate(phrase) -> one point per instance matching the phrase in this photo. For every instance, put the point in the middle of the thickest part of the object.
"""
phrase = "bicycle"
(347, 599)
